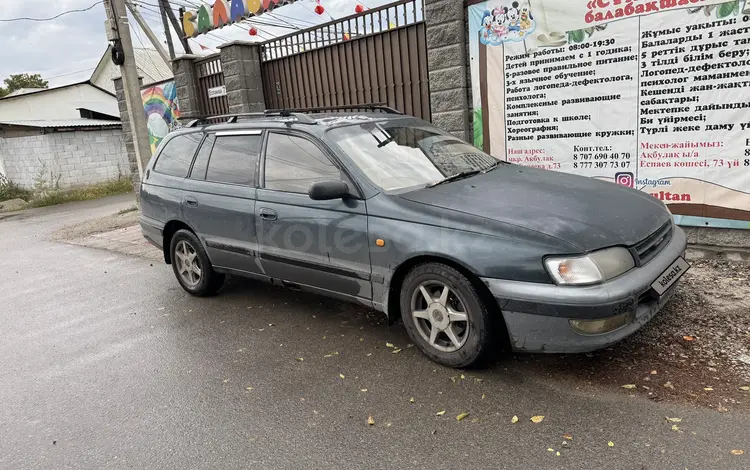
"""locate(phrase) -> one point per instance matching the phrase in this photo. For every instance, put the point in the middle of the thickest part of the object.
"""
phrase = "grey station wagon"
(388, 211)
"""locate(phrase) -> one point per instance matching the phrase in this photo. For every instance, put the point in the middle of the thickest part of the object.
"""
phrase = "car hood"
(585, 212)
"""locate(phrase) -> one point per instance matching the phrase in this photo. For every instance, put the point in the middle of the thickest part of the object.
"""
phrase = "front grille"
(645, 250)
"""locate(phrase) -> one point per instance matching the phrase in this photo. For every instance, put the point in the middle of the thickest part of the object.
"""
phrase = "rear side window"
(234, 159)
(201, 161)
(177, 155)
(294, 163)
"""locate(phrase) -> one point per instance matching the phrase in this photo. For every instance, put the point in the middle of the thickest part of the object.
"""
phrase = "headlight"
(596, 267)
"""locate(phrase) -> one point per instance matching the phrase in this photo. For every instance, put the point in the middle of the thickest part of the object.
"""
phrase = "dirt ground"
(697, 349)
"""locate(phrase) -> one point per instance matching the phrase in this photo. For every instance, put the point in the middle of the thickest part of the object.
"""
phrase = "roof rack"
(232, 118)
(299, 113)
(349, 107)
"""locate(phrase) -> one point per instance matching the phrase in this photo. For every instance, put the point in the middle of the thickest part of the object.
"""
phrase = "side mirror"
(327, 190)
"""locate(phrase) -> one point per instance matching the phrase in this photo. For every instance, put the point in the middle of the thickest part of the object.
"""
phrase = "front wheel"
(445, 316)
(192, 267)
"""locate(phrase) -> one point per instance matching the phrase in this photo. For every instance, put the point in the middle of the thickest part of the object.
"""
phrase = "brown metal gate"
(376, 57)
(211, 76)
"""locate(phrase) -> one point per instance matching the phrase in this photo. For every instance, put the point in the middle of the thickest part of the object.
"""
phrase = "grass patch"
(84, 193)
(129, 209)
(10, 190)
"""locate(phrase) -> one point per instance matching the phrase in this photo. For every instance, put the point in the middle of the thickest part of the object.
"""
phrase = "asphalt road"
(107, 363)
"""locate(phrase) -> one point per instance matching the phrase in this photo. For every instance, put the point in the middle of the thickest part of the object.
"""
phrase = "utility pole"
(165, 24)
(147, 29)
(177, 27)
(118, 20)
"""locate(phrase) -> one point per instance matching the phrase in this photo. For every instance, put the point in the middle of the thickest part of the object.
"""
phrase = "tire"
(202, 283)
(471, 337)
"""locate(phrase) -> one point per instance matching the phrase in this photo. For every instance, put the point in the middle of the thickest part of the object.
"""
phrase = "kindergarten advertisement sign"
(654, 95)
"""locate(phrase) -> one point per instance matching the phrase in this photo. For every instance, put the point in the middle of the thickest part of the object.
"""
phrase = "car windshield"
(408, 153)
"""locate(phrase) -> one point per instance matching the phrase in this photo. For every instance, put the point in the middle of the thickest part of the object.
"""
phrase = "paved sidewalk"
(128, 240)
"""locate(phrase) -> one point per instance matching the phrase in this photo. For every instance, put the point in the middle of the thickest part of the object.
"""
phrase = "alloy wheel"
(188, 263)
(440, 316)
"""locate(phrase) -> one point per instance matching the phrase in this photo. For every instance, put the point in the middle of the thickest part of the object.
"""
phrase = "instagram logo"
(625, 179)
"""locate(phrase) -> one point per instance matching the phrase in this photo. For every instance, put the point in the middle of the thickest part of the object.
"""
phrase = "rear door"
(219, 198)
(322, 244)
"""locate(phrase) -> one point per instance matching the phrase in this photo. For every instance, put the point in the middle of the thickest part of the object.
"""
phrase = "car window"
(177, 155)
(201, 161)
(294, 163)
(234, 159)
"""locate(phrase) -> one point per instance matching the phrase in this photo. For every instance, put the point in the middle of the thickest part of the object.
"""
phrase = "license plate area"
(670, 275)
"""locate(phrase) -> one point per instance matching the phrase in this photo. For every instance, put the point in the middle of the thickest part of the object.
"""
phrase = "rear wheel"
(445, 316)
(192, 267)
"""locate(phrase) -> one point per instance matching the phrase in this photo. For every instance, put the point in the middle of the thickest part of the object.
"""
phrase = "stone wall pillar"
(186, 85)
(447, 65)
(241, 62)
(127, 133)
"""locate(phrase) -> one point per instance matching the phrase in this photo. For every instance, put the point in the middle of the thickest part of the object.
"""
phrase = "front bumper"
(537, 315)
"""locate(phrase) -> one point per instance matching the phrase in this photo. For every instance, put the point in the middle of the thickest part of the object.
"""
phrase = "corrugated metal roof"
(47, 123)
(152, 66)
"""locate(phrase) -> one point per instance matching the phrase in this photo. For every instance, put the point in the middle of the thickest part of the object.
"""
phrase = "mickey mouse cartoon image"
(526, 17)
(513, 17)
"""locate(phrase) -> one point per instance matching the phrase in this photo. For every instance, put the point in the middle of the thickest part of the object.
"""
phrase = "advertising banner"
(654, 95)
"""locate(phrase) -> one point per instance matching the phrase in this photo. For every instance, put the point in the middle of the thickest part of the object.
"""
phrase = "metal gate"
(212, 101)
(379, 56)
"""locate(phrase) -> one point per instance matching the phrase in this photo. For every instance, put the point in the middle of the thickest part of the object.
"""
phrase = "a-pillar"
(241, 63)
(447, 65)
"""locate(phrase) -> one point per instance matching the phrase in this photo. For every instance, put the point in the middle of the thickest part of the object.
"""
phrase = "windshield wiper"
(495, 165)
(456, 177)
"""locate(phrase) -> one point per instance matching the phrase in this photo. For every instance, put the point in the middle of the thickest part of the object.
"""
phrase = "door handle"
(268, 214)
(191, 201)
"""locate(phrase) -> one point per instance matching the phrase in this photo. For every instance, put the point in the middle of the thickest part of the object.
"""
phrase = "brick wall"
(76, 157)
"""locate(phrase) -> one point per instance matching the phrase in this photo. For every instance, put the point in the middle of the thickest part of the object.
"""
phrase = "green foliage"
(728, 9)
(478, 129)
(576, 36)
(10, 190)
(22, 80)
(95, 191)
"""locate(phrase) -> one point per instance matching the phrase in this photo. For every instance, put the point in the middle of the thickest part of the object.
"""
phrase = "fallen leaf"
(514, 419)
(478, 380)
(675, 427)
(463, 376)
(411, 400)
(550, 449)
(370, 421)
(454, 379)
(396, 351)
(271, 324)
(226, 380)
(668, 384)
(737, 452)
(440, 413)
(567, 436)
(300, 359)
(688, 338)
(483, 396)
(557, 453)
(362, 389)
(628, 386)
(461, 416)
(611, 444)
(342, 376)
(249, 388)
(328, 355)
(389, 345)
(409, 345)
(369, 354)
(388, 425)
(361, 339)
(745, 388)
(708, 389)
(674, 420)
(537, 419)
(653, 372)
(474, 420)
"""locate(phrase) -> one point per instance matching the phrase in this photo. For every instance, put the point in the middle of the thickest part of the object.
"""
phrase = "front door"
(321, 244)
(219, 198)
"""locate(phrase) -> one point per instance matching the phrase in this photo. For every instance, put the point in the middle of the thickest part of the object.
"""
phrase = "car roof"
(323, 122)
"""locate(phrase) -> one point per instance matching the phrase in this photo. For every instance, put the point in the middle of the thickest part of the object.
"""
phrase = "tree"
(22, 80)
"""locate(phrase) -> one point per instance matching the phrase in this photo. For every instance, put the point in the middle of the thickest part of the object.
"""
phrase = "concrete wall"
(76, 157)
(58, 103)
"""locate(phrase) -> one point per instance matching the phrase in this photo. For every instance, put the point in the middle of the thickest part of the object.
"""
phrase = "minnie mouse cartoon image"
(499, 27)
